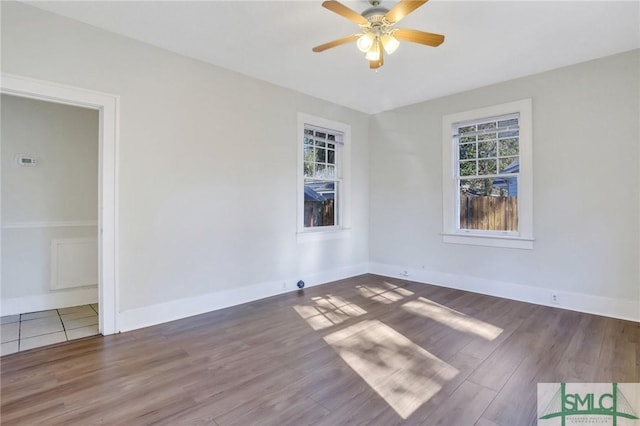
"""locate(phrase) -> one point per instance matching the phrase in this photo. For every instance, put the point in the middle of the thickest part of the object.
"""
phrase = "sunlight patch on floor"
(401, 372)
(387, 293)
(452, 318)
(327, 311)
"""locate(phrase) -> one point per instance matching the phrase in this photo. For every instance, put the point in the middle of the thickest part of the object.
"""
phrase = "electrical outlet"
(554, 298)
(404, 273)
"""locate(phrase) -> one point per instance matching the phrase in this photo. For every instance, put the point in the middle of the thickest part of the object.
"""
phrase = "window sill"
(323, 234)
(489, 240)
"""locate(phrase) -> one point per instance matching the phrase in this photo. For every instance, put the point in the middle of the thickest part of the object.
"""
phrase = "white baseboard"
(182, 308)
(609, 307)
(53, 300)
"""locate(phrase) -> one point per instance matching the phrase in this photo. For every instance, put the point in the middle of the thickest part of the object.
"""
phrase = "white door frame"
(107, 107)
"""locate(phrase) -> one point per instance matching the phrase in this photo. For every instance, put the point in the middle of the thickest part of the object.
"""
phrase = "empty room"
(320, 213)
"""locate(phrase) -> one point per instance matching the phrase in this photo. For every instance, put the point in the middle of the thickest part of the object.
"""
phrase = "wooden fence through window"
(488, 213)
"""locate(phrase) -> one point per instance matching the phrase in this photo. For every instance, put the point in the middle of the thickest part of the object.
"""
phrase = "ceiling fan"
(378, 31)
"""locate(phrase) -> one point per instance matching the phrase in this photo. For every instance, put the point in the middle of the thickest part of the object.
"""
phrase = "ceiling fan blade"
(344, 11)
(421, 37)
(402, 9)
(337, 42)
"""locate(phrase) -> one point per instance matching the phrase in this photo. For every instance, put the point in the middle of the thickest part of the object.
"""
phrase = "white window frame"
(523, 238)
(343, 170)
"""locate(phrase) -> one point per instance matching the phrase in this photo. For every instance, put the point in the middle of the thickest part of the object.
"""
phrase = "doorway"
(106, 106)
(49, 222)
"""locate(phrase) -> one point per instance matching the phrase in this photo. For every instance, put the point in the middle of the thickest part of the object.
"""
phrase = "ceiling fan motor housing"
(375, 13)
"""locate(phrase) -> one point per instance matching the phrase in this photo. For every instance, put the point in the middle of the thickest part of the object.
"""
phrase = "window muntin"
(322, 176)
(487, 170)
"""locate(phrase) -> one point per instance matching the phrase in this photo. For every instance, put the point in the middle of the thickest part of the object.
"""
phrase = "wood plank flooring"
(366, 350)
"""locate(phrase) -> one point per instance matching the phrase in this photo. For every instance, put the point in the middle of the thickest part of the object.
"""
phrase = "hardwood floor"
(367, 350)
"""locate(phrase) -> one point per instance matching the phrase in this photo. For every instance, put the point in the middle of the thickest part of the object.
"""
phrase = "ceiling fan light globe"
(365, 42)
(373, 54)
(390, 43)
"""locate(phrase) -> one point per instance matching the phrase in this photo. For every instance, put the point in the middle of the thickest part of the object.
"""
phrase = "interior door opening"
(90, 237)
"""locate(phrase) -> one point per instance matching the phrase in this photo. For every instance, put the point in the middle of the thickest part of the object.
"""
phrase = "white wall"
(586, 199)
(207, 169)
(64, 141)
(61, 190)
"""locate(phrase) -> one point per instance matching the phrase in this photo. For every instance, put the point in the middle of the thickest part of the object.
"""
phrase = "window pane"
(308, 132)
(319, 203)
(509, 165)
(308, 153)
(331, 137)
(320, 170)
(467, 139)
(509, 147)
(467, 151)
(308, 169)
(331, 157)
(321, 135)
(467, 168)
(466, 129)
(330, 171)
(509, 134)
(487, 126)
(321, 155)
(331, 146)
(487, 167)
(489, 204)
(487, 149)
(320, 143)
(486, 136)
(508, 122)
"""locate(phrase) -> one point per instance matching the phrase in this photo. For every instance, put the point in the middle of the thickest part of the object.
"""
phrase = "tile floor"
(27, 331)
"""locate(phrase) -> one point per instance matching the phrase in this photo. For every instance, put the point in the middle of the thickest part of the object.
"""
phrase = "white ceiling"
(486, 42)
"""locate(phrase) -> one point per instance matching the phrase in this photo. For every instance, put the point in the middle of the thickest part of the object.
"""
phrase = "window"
(487, 183)
(488, 165)
(321, 176)
(322, 184)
